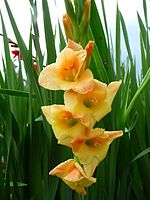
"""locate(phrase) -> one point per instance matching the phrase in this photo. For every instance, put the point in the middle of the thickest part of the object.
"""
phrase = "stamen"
(93, 100)
(66, 69)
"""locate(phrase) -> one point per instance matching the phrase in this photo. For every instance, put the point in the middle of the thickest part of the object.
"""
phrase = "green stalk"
(141, 88)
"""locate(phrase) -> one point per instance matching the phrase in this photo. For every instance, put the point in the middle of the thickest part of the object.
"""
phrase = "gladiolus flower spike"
(86, 100)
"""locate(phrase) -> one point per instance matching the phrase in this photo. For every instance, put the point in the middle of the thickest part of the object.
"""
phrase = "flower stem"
(140, 89)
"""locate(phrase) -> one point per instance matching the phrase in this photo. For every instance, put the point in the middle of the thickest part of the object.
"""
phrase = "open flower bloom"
(93, 105)
(73, 175)
(92, 149)
(68, 72)
(64, 125)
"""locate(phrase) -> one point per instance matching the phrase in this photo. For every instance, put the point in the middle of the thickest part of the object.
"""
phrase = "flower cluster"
(86, 100)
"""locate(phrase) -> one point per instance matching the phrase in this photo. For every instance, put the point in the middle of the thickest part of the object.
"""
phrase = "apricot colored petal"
(49, 77)
(77, 181)
(102, 110)
(81, 55)
(63, 168)
(73, 102)
(114, 134)
(66, 85)
(74, 186)
(47, 113)
(89, 167)
(113, 88)
(64, 55)
(74, 175)
(90, 179)
(105, 107)
(73, 45)
(52, 113)
(85, 82)
(65, 134)
(80, 184)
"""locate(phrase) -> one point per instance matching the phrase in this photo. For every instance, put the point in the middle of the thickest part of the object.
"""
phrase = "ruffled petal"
(105, 106)
(73, 45)
(63, 168)
(114, 134)
(66, 85)
(85, 83)
(101, 110)
(113, 88)
(49, 77)
(47, 111)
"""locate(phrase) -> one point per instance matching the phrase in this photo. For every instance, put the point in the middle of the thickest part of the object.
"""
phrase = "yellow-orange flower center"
(93, 142)
(69, 69)
(94, 98)
(67, 118)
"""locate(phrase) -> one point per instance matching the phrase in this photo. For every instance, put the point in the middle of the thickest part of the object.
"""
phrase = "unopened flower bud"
(84, 23)
(68, 26)
(89, 49)
(86, 12)
(35, 66)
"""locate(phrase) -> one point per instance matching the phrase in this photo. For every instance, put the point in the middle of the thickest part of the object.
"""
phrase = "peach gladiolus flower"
(93, 105)
(73, 175)
(64, 125)
(68, 72)
(92, 148)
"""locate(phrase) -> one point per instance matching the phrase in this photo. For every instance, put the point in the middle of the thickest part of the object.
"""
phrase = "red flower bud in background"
(35, 66)
(16, 53)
